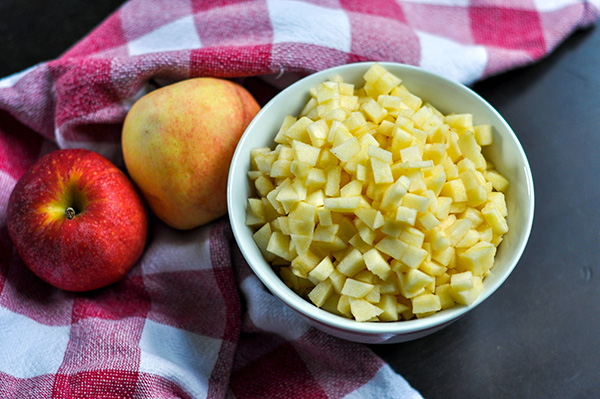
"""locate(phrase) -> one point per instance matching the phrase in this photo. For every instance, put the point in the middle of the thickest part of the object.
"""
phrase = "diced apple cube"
(326, 233)
(444, 256)
(479, 258)
(352, 263)
(422, 115)
(327, 91)
(322, 271)
(352, 189)
(470, 149)
(413, 282)
(377, 152)
(435, 179)
(279, 244)
(299, 169)
(467, 297)
(426, 303)
(321, 292)
(355, 121)
(376, 263)
(382, 173)
(401, 139)
(483, 134)
(443, 291)
(498, 181)
(374, 111)
(346, 150)
(454, 189)
(432, 268)
(412, 153)
(406, 215)
(297, 131)
(388, 304)
(461, 281)
(428, 221)
(374, 296)
(416, 202)
(392, 246)
(305, 152)
(412, 101)
(394, 193)
(412, 236)
(343, 306)
(371, 217)
(457, 230)
(255, 214)
(363, 310)
(357, 242)
(347, 228)
(495, 219)
(470, 239)
(263, 185)
(499, 200)
(461, 122)
(356, 289)
(316, 198)
(288, 121)
(342, 204)
(413, 256)
(262, 237)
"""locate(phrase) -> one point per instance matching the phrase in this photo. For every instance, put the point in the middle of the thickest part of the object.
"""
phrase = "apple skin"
(178, 142)
(106, 235)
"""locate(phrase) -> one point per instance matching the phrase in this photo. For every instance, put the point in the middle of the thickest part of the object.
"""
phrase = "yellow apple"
(178, 142)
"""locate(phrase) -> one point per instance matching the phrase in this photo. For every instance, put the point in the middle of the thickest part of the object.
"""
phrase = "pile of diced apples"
(374, 205)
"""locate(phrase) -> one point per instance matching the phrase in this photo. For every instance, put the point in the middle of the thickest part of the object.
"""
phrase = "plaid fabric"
(190, 320)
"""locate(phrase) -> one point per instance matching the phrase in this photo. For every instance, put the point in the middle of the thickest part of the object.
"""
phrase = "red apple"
(77, 221)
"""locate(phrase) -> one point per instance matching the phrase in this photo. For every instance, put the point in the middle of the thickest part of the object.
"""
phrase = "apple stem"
(70, 213)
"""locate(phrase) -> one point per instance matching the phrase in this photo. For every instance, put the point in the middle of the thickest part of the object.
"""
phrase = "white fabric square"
(294, 21)
(553, 5)
(453, 60)
(30, 349)
(183, 357)
(180, 34)
(269, 313)
(173, 250)
(12, 80)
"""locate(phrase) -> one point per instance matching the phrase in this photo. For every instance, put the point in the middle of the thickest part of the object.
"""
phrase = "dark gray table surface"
(539, 335)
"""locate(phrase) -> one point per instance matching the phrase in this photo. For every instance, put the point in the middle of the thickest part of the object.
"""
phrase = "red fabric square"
(288, 56)
(441, 20)
(508, 28)
(97, 384)
(139, 18)
(24, 293)
(248, 25)
(231, 61)
(280, 373)
(76, 99)
(382, 8)
(113, 36)
(37, 387)
(126, 298)
(391, 41)
(19, 146)
(175, 294)
(99, 344)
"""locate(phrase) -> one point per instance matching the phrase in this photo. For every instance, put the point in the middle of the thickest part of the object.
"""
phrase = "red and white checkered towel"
(190, 320)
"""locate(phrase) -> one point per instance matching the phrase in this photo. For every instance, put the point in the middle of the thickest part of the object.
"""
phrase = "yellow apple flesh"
(178, 142)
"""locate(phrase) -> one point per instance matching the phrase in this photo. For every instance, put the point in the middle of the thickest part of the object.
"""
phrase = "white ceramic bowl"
(506, 153)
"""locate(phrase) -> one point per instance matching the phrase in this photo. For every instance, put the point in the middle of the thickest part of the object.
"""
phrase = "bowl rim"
(276, 286)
